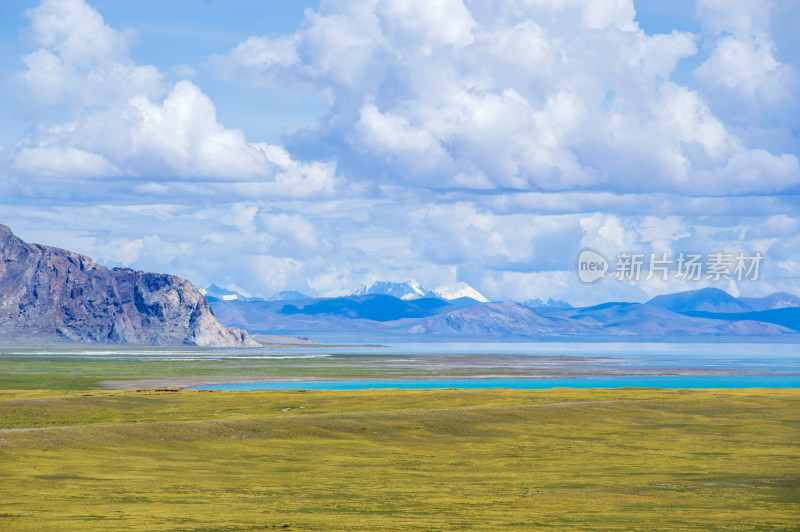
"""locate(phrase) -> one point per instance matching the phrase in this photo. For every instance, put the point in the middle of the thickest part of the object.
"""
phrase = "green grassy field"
(72, 369)
(400, 460)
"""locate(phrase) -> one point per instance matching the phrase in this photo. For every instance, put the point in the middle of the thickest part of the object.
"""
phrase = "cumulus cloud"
(80, 59)
(463, 140)
(742, 77)
(255, 57)
(521, 95)
(129, 123)
(607, 234)
(52, 161)
(262, 247)
(530, 285)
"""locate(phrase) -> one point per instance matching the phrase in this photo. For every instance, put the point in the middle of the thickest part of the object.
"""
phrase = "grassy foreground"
(401, 460)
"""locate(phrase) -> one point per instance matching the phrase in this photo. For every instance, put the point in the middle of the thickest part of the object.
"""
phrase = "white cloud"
(261, 247)
(123, 250)
(296, 229)
(50, 161)
(662, 232)
(739, 17)
(128, 123)
(742, 78)
(182, 136)
(255, 56)
(81, 60)
(432, 25)
(393, 138)
(606, 234)
(535, 95)
(76, 31)
(528, 285)
(479, 141)
(183, 71)
(277, 272)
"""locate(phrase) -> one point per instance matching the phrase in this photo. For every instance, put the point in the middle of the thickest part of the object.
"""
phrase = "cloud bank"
(484, 142)
(126, 121)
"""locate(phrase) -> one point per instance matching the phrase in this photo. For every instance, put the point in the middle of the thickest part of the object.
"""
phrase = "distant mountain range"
(413, 290)
(460, 294)
(288, 295)
(405, 290)
(217, 292)
(705, 313)
(550, 303)
(50, 294)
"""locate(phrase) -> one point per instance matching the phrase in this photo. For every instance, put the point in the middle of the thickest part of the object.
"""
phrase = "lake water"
(533, 365)
(547, 365)
(661, 381)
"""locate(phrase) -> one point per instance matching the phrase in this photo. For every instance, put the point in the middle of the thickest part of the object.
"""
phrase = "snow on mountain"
(459, 290)
(213, 290)
(288, 295)
(406, 290)
(224, 294)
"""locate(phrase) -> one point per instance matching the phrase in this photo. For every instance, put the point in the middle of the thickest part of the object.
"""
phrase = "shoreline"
(179, 383)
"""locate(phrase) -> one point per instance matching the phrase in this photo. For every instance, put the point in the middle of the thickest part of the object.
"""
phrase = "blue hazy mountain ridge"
(348, 313)
(462, 302)
(507, 319)
(705, 299)
(788, 317)
(626, 319)
(48, 293)
(778, 300)
(434, 317)
(550, 303)
(371, 307)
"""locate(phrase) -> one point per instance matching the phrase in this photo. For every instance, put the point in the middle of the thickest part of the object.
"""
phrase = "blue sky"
(318, 146)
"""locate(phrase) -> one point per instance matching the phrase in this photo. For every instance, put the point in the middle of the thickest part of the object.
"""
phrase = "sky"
(319, 146)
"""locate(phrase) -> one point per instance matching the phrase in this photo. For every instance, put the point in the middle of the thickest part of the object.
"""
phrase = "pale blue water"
(734, 365)
(532, 365)
(666, 381)
(740, 356)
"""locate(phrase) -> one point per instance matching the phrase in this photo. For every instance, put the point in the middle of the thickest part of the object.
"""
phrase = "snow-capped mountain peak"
(213, 290)
(406, 290)
(224, 294)
(459, 290)
(288, 295)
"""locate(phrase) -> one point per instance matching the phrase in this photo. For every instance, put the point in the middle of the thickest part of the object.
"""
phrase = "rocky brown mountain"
(50, 294)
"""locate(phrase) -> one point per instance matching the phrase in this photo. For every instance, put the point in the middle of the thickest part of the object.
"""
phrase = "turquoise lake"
(546, 365)
(431, 365)
(671, 382)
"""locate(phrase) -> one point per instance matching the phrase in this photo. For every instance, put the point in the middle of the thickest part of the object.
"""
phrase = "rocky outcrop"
(50, 294)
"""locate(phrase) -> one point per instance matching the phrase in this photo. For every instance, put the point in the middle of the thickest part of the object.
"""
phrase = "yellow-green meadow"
(562, 459)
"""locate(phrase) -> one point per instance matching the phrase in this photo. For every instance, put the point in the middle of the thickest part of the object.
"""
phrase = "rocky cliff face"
(53, 294)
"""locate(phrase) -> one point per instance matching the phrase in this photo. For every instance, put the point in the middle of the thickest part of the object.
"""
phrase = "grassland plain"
(624, 459)
(23, 371)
